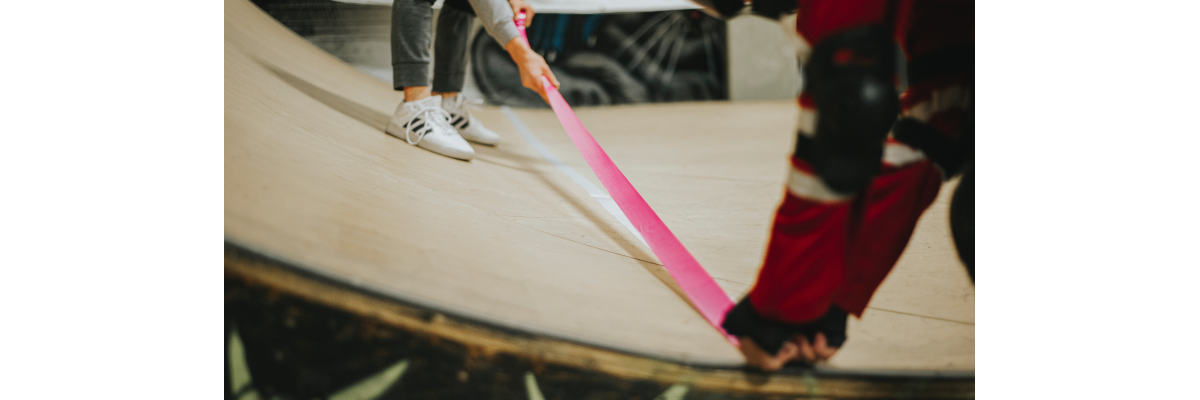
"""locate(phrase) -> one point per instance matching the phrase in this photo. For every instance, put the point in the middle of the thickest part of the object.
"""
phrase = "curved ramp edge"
(490, 354)
(315, 188)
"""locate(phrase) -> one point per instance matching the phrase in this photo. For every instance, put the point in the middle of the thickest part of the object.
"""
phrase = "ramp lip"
(236, 250)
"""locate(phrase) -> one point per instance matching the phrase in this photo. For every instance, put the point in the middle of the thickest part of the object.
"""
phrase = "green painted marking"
(675, 392)
(531, 387)
(374, 385)
(239, 372)
(369, 388)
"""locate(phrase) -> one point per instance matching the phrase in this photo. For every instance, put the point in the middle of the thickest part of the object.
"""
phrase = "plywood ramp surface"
(311, 179)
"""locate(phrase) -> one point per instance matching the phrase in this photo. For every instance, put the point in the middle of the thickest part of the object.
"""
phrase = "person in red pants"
(869, 159)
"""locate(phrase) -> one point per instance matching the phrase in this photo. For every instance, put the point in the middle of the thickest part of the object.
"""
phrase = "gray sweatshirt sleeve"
(497, 19)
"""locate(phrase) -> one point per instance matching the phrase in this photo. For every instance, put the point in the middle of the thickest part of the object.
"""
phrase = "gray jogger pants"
(412, 34)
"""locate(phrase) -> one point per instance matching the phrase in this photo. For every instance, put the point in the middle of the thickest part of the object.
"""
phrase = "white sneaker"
(469, 127)
(424, 124)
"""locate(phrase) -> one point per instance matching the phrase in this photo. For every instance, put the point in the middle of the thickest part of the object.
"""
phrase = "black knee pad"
(850, 76)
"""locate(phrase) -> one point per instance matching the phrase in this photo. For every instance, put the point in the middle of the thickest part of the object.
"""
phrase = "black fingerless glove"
(743, 320)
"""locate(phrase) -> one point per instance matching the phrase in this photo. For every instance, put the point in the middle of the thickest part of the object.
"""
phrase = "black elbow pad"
(850, 76)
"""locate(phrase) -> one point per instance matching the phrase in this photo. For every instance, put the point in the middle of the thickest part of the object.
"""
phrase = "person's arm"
(532, 67)
(496, 16)
(497, 19)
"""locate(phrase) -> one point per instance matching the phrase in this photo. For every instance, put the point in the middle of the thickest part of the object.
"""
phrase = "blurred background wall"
(762, 62)
(600, 59)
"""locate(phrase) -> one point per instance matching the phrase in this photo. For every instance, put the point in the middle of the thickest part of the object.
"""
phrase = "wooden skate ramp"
(314, 184)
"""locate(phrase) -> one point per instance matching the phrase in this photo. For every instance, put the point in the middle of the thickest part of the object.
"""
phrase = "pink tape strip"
(701, 289)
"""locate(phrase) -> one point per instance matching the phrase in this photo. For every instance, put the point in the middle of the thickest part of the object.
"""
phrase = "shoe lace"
(431, 115)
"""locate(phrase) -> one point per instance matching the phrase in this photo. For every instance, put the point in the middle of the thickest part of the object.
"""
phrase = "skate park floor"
(312, 179)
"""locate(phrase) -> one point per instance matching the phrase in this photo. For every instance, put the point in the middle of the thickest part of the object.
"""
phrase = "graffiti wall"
(605, 59)
(599, 59)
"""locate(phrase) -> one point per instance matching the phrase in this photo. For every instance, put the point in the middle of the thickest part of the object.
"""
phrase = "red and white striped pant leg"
(938, 38)
(806, 253)
(827, 248)
(882, 222)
